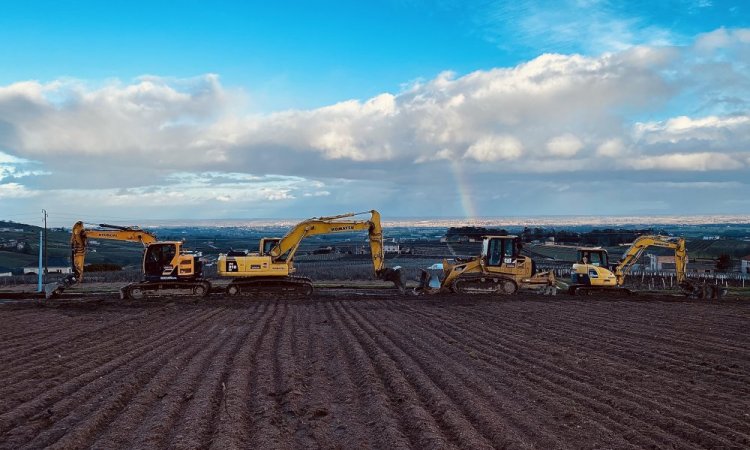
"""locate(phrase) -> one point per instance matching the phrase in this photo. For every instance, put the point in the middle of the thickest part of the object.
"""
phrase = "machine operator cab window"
(158, 256)
(268, 245)
(500, 251)
(594, 257)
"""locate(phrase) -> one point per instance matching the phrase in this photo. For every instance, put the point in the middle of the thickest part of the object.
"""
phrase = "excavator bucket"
(57, 287)
(395, 276)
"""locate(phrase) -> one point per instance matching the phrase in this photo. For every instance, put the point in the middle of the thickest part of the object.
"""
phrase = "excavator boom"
(642, 243)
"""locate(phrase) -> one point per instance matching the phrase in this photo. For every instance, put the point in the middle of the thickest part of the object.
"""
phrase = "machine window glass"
(495, 252)
(508, 247)
(595, 258)
(268, 245)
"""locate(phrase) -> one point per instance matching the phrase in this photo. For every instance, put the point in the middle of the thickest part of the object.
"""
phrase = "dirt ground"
(347, 370)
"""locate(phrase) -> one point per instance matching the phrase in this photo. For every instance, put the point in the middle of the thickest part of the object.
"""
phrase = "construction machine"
(593, 273)
(271, 269)
(500, 270)
(167, 266)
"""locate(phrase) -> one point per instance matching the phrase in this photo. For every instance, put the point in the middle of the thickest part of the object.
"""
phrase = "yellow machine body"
(499, 269)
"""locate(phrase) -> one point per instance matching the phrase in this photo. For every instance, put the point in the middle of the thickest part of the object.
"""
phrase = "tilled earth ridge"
(380, 371)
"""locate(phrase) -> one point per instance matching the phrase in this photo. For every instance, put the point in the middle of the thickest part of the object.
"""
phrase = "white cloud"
(687, 162)
(15, 190)
(187, 141)
(565, 146)
(682, 128)
(611, 148)
(495, 148)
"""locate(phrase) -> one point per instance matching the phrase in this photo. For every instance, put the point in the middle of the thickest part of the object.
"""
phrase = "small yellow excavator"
(499, 270)
(592, 272)
(271, 269)
(166, 265)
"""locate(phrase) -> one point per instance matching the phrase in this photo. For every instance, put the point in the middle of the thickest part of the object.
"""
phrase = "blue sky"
(437, 108)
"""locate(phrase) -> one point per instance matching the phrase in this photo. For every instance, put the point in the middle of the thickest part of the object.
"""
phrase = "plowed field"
(372, 370)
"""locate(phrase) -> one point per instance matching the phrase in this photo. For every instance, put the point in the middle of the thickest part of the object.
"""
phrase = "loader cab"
(500, 250)
(594, 256)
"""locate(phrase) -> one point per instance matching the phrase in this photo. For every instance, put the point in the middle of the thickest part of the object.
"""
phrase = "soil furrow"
(390, 425)
(104, 398)
(85, 384)
(232, 424)
(436, 425)
(29, 377)
(573, 380)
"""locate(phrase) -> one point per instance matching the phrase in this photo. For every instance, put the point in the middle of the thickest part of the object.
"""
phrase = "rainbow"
(464, 191)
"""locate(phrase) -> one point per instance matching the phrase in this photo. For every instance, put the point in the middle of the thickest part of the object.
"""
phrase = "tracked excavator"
(271, 269)
(592, 272)
(167, 266)
(499, 270)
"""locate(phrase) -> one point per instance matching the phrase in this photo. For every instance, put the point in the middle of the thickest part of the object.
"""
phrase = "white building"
(392, 248)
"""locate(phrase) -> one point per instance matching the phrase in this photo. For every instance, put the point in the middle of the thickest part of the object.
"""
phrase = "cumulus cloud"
(189, 140)
(15, 190)
(688, 162)
(495, 148)
(611, 148)
(565, 145)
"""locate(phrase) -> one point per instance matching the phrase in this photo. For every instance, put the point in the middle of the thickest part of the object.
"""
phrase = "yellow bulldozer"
(500, 269)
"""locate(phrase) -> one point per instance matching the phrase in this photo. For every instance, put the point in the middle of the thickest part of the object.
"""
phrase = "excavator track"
(472, 284)
(140, 290)
(286, 287)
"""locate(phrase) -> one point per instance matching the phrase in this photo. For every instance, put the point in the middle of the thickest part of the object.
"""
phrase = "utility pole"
(39, 275)
(44, 212)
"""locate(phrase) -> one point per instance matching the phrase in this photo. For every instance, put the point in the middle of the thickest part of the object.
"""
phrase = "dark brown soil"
(350, 370)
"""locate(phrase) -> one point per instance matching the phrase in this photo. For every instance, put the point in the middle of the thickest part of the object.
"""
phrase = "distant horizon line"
(441, 221)
(528, 220)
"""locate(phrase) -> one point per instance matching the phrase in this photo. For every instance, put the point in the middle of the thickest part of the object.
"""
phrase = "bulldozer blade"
(395, 276)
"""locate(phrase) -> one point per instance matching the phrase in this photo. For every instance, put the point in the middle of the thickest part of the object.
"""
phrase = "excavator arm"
(78, 243)
(287, 246)
(644, 242)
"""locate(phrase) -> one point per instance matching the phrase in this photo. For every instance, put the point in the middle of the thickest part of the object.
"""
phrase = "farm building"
(745, 264)
(55, 265)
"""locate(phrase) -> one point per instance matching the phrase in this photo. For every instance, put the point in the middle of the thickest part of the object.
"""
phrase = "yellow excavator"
(592, 272)
(499, 270)
(167, 266)
(271, 269)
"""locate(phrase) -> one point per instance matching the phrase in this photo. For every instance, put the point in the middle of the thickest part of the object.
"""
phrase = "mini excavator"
(166, 264)
(499, 270)
(592, 272)
(271, 269)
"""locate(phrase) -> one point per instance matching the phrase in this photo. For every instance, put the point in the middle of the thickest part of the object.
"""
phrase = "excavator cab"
(167, 261)
(158, 259)
(595, 256)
